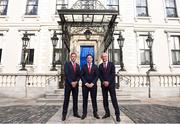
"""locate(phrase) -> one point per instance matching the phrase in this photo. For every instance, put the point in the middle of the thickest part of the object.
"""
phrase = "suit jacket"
(70, 74)
(89, 78)
(107, 74)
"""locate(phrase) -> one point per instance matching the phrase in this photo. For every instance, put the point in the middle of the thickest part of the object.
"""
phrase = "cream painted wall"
(15, 23)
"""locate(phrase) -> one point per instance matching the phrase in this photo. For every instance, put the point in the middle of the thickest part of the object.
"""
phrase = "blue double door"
(84, 51)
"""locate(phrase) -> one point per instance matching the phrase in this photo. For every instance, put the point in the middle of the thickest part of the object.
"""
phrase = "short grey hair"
(104, 54)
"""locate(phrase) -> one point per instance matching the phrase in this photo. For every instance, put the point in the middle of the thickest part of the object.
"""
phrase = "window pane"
(116, 56)
(32, 2)
(141, 11)
(61, 4)
(112, 2)
(176, 57)
(175, 43)
(30, 56)
(171, 12)
(3, 7)
(141, 3)
(32, 10)
(32, 7)
(3, 2)
(142, 42)
(170, 3)
(144, 54)
(58, 56)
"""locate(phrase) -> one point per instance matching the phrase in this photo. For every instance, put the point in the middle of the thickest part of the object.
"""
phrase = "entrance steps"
(57, 97)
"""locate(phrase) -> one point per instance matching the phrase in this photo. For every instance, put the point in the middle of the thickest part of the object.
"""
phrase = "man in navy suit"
(89, 77)
(72, 74)
(107, 77)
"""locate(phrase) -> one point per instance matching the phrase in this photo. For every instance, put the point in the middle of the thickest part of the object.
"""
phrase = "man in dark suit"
(107, 77)
(72, 74)
(89, 77)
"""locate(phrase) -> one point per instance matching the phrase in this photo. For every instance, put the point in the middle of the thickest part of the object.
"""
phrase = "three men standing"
(89, 75)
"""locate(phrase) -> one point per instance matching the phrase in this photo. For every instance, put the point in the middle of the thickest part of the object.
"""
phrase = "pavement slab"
(152, 113)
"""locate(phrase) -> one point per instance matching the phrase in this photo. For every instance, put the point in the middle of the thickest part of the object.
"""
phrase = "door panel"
(85, 50)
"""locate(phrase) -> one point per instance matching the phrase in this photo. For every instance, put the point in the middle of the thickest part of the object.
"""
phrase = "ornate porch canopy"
(89, 13)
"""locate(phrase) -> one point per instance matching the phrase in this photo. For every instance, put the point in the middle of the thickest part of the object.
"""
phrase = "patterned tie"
(89, 68)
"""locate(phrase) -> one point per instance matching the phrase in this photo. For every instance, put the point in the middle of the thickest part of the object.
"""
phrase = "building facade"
(135, 19)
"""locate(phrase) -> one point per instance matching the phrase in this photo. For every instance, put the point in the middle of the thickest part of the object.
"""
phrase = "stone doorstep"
(118, 92)
(80, 89)
(120, 100)
(58, 96)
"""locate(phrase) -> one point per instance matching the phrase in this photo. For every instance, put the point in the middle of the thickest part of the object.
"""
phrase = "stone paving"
(27, 114)
(152, 113)
(161, 110)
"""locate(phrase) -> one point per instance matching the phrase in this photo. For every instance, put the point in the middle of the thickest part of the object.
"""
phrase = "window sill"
(55, 17)
(145, 67)
(1, 66)
(36, 17)
(30, 68)
(172, 19)
(149, 18)
(5, 17)
(175, 66)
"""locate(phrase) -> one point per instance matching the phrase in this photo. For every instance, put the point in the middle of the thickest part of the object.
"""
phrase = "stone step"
(61, 96)
(118, 92)
(60, 101)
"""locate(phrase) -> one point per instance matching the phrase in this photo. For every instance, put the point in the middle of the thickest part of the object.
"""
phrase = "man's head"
(73, 56)
(104, 57)
(89, 58)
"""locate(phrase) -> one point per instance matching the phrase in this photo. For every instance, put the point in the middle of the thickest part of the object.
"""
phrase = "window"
(0, 54)
(144, 50)
(29, 56)
(32, 7)
(175, 50)
(61, 4)
(112, 4)
(3, 7)
(116, 56)
(171, 8)
(141, 8)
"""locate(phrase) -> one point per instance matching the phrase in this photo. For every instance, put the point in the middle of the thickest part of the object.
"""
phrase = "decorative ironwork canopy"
(89, 13)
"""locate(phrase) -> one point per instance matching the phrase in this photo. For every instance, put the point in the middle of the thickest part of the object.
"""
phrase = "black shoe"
(118, 119)
(106, 116)
(96, 116)
(83, 116)
(77, 115)
(63, 118)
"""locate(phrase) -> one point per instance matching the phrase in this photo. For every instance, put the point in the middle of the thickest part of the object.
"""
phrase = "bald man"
(107, 77)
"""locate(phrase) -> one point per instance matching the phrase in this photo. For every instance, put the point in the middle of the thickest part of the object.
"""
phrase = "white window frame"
(138, 34)
(169, 19)
(146, 18)
(169, 34)
(59, 45)
(30, 68)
